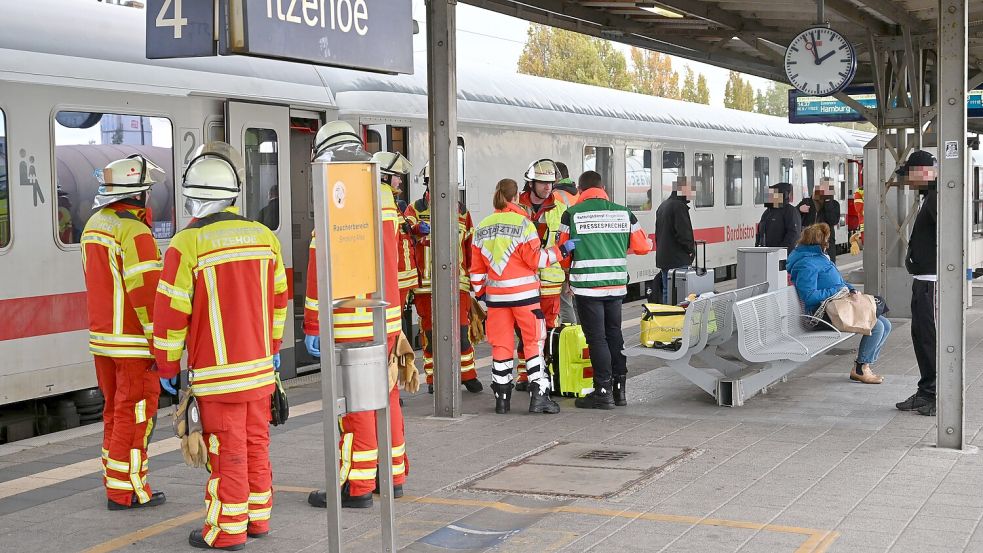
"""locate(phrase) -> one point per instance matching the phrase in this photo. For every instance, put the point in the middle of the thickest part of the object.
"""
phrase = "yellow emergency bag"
(662, 325)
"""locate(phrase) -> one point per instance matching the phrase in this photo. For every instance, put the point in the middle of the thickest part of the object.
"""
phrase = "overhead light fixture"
(652, 8)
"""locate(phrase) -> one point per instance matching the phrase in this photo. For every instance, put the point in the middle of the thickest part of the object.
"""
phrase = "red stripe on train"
(42, 315)
(710, 235)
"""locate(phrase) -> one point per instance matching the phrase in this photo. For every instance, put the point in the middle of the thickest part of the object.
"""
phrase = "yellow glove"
(187, 426)
(855, 244)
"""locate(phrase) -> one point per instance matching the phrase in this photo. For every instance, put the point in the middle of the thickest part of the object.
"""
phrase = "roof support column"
(953, 236)
(445, 262)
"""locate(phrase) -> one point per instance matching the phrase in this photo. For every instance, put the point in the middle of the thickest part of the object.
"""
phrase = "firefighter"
(506, 255)
(418, 217)
(545, 212)
(359, 457)
(223, 292)
(121, 263)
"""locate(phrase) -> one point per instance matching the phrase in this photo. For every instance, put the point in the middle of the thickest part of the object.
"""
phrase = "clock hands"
(826, 57)
(815, 50)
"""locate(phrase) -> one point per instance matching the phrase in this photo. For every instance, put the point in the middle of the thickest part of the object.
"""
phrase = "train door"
(390, 138)
(261, 132)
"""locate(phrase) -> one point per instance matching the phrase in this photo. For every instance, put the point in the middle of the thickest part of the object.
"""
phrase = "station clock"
(820, 61)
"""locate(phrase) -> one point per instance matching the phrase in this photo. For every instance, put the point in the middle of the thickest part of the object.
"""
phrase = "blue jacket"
(815, 277)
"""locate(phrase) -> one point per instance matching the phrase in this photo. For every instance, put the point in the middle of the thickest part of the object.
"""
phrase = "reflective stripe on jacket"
(605, 232)
(419, 212)
(223, 292)
(355, 325)
(505, 258)
(121, 263)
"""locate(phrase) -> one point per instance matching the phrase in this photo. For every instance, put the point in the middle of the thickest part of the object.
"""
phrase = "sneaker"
(914, 402)
(928, 409)
(596, 400)
(473, 385)
(198, 541)
(156, 498)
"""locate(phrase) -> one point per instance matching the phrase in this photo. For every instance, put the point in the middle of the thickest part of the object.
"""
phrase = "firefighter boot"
(156, 498)
(397, 489)
(197, 540)
(540, 401)
(619, 390)
(473, 385)
(320, 499)
(503, 394)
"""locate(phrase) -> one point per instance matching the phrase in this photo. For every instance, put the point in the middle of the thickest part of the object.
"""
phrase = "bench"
(698, 342)
(772, 330)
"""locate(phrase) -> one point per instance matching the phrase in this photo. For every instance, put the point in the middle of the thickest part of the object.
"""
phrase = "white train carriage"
(75, 92)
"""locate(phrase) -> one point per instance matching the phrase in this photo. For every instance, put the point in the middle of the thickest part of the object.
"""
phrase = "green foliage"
(738, 93)
(695, 88)
(773, 100)
(654, 74)
(573, 57)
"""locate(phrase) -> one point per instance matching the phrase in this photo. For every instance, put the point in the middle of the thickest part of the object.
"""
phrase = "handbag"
(853, 313)
(882, 308)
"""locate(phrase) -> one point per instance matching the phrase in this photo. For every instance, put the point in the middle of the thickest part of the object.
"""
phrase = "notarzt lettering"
(493, 231)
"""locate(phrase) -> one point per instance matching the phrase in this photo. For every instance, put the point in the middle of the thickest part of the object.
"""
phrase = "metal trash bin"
(757, 265)
(365, 377)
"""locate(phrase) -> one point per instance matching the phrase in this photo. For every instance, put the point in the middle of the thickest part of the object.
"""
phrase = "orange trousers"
(500, 329)
(359, 451)
(131, 390)
(551, 312)
(239, 493)
(424, 308)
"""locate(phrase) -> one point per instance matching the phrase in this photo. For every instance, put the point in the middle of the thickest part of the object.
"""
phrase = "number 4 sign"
(180, 28)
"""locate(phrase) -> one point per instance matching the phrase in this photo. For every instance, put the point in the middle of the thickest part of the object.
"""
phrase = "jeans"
(600, 319)
(870, 346)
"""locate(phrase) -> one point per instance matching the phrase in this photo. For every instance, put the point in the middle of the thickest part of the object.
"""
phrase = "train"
(76, 91)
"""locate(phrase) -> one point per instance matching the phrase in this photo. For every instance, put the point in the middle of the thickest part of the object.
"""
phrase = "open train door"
(261, 132)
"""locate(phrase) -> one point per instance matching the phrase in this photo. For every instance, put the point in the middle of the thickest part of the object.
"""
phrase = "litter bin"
(757, 265)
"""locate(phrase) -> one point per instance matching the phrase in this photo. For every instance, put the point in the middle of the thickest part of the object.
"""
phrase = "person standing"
(121, 264)
(506, 255)
(565, 192)
(920, 173)
(358, 446)
(780, 224)
(223, 293)
(389, 166)
(418, 220)
(604, 232)
(675, 245)
(822, 207)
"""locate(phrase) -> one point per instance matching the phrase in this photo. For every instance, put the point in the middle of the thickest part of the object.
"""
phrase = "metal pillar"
(442, 103)
(952, 236)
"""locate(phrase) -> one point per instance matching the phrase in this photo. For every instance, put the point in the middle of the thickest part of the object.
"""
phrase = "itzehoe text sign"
(374, 35)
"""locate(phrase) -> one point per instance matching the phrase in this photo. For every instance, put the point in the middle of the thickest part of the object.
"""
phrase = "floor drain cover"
(605, 455)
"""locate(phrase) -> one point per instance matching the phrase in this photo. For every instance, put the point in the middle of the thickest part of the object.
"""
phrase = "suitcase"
(568, 360)
(690, 280)
(662, 325)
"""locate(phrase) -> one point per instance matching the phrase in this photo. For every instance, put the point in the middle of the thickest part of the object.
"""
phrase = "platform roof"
(744, 35)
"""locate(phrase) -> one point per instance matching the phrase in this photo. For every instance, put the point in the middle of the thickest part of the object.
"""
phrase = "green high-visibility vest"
(602, 230)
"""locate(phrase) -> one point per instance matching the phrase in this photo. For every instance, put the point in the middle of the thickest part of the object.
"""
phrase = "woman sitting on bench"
(816, 279)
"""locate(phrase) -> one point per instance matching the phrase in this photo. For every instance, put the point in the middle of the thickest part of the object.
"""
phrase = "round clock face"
(820, 61)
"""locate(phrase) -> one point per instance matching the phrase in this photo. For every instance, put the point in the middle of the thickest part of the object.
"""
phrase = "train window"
(809, 175)
(734, 173)
(762, 168)
(638, 179)
(703, 174)
(262, 187)
(785, 167)
(86, 142)
(600, 159)
(826, 169)
(841, 178)
(4, 186)
(373, 141)
(673, 167)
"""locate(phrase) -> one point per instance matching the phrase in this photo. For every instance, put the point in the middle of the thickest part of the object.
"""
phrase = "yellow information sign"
(352, 220)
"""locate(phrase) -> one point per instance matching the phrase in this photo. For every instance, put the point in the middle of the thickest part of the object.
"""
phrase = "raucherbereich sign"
(373, 35)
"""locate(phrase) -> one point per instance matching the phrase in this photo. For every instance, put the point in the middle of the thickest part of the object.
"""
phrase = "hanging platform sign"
(803, 108)
(373, 35)
(351, 222)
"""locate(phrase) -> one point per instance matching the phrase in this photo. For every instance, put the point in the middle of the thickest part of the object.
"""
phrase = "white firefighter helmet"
(333, 134)
(392, 163)
(543, 170)
(128, 176)
(216, 172)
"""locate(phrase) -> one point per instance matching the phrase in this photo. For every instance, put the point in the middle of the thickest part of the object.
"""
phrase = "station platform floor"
(819, 463)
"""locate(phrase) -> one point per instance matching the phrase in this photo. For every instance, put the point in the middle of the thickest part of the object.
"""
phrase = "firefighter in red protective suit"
(506, 256)
(539, 200)
(122, 265)
(223, 293)
(359, 455)
(418, 218)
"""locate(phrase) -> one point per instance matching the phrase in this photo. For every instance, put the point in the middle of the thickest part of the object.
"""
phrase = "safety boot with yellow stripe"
(156, 498)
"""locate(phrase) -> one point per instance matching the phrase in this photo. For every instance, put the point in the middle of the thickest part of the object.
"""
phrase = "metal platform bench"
(772, 329)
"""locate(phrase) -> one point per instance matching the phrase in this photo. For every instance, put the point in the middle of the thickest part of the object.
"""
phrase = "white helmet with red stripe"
(128, 176)
(543, 170)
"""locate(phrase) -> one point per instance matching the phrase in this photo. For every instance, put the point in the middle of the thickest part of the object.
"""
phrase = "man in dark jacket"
(822, 207)
(780, 224)
(675, 247)
(919, 173)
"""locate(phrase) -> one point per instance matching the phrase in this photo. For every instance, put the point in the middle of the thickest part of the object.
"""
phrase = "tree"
(653, 74)
(773, 100)
(702, 90)
(738, 93)
(573, 57)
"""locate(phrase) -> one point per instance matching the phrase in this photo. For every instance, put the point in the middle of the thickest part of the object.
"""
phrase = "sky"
(495, 40)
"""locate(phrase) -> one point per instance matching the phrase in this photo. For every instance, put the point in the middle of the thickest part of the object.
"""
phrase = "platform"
(817, 464)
